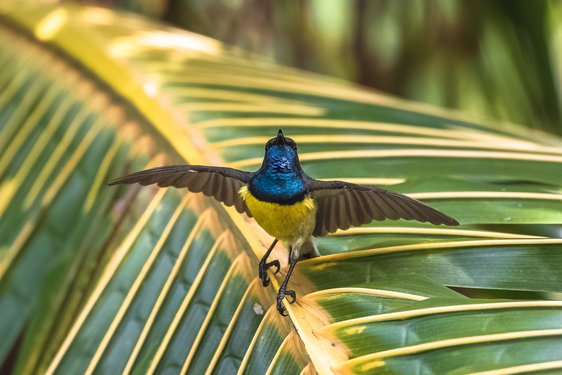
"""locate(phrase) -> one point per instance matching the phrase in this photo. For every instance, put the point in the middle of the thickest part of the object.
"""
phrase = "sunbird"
(288, 204)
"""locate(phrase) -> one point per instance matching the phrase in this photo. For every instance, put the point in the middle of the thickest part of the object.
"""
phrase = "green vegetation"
(499, 58)
(131, 280)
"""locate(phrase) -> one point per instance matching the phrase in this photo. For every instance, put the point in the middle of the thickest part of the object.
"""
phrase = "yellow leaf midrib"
(187, 141)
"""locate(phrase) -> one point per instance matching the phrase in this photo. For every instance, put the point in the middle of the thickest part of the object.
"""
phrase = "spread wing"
(221, 183)
(342, 205)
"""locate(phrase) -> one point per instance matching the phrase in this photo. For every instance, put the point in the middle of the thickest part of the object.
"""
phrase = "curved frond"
(130, 280)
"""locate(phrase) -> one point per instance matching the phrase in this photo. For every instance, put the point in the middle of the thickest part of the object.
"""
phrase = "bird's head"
(281, 153)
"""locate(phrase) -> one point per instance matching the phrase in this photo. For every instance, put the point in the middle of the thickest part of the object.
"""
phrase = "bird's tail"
(309, 249)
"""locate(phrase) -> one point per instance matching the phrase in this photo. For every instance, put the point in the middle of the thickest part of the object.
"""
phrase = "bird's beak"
(280, 140)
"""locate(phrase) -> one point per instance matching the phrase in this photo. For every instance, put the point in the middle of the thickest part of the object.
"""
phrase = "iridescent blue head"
(280, 177)
(281, 155)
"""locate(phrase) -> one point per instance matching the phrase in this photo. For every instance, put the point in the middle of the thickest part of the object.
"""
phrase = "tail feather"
(309, 249)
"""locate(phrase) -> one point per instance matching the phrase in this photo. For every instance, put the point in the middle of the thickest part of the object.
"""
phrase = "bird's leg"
(283, 289)
(264, 266)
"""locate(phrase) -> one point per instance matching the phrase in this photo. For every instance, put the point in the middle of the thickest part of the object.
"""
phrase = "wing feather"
(221, 183)
(199, 183)
(359, 216)
(371, 208)
(399, 208)
(349, 207)
(184, 180)
(211, 185)
(388, 211)
(228, 194)
(169, 181)
(341, 205)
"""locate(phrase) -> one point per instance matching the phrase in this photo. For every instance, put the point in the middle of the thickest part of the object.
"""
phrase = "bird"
(289, 205)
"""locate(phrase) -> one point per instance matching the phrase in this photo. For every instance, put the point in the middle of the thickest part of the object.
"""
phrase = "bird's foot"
(282, 294)
(263, 270)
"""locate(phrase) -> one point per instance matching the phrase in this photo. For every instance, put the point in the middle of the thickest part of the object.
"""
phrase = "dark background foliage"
(497, 58)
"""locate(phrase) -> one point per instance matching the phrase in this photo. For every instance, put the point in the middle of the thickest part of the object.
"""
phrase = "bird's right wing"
(221, 183)
(342, 205)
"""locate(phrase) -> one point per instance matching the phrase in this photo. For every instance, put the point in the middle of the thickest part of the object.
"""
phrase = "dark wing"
(221, 183)
(342, 205)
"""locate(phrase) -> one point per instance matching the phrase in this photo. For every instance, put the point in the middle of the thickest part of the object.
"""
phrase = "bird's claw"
(282, 310)
(263, 270)
(273, 263)
(265, 280)
(292, 294)
(280, 296)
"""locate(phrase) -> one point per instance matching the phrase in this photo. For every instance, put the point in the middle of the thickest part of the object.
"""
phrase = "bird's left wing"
(221, 183)
(342, 205)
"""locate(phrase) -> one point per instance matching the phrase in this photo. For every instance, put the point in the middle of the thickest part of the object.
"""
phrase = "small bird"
(288, 204)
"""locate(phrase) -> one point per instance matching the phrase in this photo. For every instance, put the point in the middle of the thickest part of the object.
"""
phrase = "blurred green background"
(497, 58)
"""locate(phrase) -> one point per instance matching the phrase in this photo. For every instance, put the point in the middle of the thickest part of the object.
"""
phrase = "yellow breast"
(284, 222)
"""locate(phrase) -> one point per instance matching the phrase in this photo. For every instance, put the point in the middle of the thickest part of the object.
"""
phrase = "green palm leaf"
(95, 279)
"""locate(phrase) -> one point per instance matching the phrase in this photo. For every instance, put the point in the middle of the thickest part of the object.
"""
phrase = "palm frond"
(147, 281)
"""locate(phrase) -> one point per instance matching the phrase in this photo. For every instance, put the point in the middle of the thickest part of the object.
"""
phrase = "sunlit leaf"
(130, 280)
